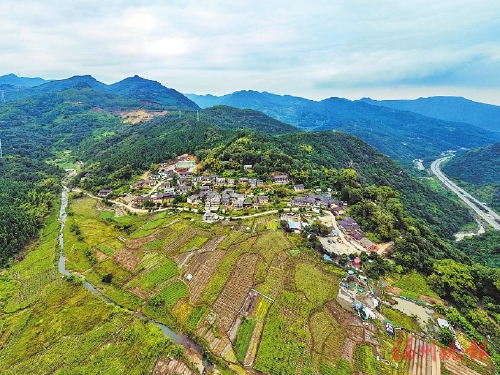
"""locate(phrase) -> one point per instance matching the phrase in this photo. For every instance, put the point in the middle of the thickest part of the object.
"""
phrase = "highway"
(482, 210)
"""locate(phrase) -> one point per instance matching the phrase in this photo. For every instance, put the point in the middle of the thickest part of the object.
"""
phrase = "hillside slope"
(479, 169)
(303, 155)
(402, 135)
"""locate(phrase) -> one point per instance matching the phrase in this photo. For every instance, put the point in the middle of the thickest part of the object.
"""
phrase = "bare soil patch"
(202, 268)
(135, 117)
(170, 367)
(430, 300)
(394, 290)
(99, 254)
(126, 258)
(235, 291)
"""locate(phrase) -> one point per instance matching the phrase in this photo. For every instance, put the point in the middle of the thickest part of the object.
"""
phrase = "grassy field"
(415, 283)
(198, 313)
(196, 242)
(173, 292)
(150, 279)
(100, 339)
(243, 337)
(317, 286)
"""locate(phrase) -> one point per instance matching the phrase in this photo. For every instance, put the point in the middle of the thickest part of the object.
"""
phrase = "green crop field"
(196, 242)
(243, 337)
(194, 319)
(164, 272)
(317, 286)
(171, 293)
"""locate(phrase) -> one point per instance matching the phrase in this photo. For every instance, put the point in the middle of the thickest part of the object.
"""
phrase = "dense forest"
(29, 189)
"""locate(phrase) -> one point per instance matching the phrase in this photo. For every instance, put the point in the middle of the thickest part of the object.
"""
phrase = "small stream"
(178, 339)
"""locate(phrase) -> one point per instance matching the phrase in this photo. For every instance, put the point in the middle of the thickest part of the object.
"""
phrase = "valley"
(223, 241)
(486, 213)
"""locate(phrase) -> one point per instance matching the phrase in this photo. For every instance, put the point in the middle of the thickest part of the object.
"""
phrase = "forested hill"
(147, 91)
(479, 169)
(402, 135)
(14, 80)
(448, 108)
(226, 134)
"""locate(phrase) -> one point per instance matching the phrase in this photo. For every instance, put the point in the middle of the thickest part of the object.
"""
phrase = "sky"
(390, 49)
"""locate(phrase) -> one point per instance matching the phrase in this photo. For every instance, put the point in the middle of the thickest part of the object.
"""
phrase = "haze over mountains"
(401, 134)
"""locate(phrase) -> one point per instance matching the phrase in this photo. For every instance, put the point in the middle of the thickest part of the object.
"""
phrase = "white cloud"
(314, 49)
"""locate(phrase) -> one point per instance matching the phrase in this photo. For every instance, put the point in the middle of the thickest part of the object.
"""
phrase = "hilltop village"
(180, 183)
(376, 312)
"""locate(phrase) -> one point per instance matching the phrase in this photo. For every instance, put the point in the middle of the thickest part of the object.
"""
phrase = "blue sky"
(317, 49)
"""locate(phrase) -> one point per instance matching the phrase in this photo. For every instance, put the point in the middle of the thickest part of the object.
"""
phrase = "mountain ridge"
(403, 135)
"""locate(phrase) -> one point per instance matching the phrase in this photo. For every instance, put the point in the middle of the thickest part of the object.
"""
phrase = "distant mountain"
(479, 171)
(138, 88)
(151, 91)
(400, 134)
(449, 108)
(13, 80)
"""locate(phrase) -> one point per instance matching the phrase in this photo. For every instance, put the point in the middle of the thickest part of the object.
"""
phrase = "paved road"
(485, 212)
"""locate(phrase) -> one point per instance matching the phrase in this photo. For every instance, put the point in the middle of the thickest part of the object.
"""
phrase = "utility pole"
(2, 96)
(1, 154)
(197, 115)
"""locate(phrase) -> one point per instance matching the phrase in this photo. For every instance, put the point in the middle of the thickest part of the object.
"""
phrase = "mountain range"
(401, 134)
(148, 91)
(448, 108)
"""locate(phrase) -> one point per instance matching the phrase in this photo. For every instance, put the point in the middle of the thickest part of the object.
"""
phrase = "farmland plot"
(235, 291)
(202, 268)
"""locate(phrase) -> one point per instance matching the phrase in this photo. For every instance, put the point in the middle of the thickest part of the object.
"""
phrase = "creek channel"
(177, 338)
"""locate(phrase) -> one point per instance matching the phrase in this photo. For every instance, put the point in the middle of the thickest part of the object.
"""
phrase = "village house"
(184, 174)
(230, 181)
(142, 184)
(262, 200)
(183, 189)
(169, 190)
(238, 205)
(160, 197)
(183, 181)
(243, 180)
(247, 167)
(204, 189)
(367, 244)
(194, 199)
(348, 225)
(299, 187)
(139, 201)
(103, 193)
(210, 217)
(164, 185)
(280, 179)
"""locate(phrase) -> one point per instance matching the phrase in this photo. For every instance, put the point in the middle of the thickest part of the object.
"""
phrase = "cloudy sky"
(316, 49)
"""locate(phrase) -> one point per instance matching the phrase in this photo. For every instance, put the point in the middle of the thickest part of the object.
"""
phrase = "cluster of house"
(323, 201)
(183, 170)
(352, 229)
(228, 199)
